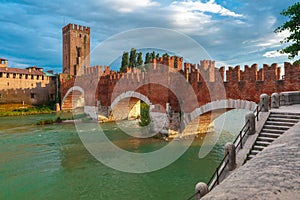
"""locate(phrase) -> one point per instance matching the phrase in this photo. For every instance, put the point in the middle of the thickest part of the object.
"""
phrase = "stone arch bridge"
(177, 95)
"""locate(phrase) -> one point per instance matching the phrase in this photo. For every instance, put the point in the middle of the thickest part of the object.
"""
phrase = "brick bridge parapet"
(103, 85)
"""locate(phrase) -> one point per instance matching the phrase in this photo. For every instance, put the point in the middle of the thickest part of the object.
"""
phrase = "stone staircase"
(75, 98)
(276, 124)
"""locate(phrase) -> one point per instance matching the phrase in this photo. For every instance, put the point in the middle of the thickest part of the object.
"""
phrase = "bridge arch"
(130, 94)
(217, 105)
(67, 102)
(127, 105)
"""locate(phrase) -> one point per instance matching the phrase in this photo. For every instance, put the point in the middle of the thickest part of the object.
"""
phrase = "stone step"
(265, 130)
(259, 148)
(250, 157)
(283, 113)
(276, 123)
(272, 135)
(277, 127)
(285, 116)
(266, 139)
(262, 143)
(283, 120)
(254, 152)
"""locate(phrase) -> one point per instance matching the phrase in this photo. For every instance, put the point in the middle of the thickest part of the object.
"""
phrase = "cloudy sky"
(233, 32)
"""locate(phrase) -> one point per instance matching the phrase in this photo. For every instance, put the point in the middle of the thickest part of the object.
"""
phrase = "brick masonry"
(169, 80)
(106, 85)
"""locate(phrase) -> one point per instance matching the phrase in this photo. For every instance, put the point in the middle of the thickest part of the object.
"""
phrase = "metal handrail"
(217, 174)
(215, 177)
(241, 136)
(191, 197)
(258, 109)
(243, 132)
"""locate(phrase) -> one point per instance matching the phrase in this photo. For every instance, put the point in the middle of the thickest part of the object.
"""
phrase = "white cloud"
(129, 6)
(268, 40)
(273, 54)
(198, 6)
(196, 17)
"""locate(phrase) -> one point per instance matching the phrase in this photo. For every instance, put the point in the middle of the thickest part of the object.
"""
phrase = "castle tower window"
(1, 95)
(1, 74)
(7, 83)
(32, 95)
(32, 77)
(14, 75)
(42, 77)
(78, 51)
(26, 76)
(7, 75)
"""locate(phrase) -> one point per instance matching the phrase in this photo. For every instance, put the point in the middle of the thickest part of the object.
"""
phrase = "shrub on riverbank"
(19, 109)
(83, 117)
(145, 116)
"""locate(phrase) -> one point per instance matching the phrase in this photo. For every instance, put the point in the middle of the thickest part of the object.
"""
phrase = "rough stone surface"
(275, 100)
(264, 100)
(250, 118)
(272, 174)
(202, 188)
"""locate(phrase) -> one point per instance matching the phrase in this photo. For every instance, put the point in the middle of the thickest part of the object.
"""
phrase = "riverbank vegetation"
(60, 119)
(20, 109)
(145, 116)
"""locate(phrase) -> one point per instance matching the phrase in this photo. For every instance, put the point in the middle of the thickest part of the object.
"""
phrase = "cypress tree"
(140, 59)
(125, 62)
(132, 58)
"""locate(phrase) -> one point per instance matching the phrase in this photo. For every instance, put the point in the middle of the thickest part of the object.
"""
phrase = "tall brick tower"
(76, 49)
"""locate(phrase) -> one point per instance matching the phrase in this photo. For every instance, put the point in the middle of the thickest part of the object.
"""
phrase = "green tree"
(175, 62)
(165, 55)
(157, 55)
(132, 58)
(293, 26)
(153, 55)
(140, 59)
(147, 58)
(145, 116)
(125, 62)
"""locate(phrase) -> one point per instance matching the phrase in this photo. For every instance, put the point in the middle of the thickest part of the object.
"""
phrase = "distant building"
(29, 86)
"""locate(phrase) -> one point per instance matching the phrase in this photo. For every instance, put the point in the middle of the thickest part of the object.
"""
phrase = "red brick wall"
(249, 84)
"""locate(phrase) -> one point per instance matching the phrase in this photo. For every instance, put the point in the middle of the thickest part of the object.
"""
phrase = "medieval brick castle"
(245, 84)
(33, 86)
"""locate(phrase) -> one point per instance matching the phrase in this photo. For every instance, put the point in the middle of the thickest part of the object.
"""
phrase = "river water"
(50, 162)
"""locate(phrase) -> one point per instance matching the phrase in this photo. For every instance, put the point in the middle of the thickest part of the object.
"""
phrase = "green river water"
(50, 162)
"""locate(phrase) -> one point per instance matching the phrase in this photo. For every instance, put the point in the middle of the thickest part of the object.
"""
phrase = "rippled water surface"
(50, 162)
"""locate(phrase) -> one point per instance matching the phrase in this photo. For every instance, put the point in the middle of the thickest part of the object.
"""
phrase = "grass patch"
(20, 109)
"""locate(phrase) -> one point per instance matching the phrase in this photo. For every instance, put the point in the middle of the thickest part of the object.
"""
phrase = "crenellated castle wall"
(204, 77)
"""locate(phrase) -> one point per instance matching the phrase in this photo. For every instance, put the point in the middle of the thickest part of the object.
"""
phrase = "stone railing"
(289, 98)
(231, 149)
(282, 99)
